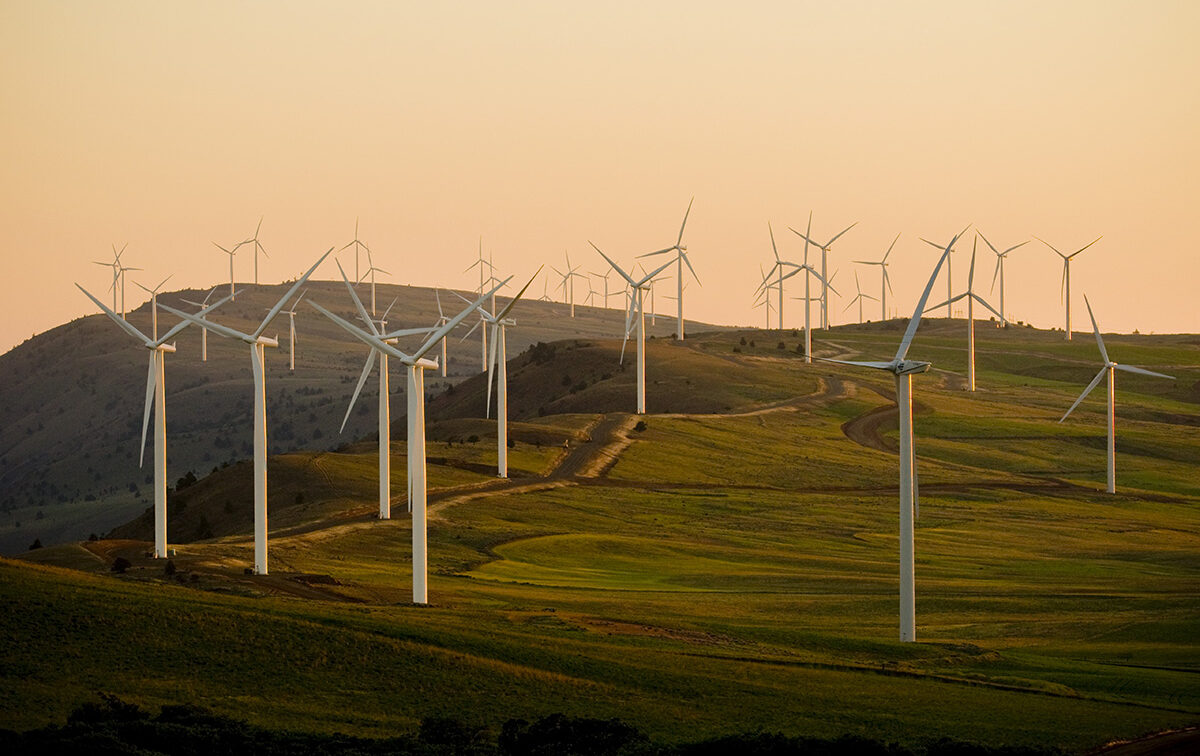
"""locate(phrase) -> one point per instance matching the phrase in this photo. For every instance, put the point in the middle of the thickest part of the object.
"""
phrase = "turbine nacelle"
(910, 367)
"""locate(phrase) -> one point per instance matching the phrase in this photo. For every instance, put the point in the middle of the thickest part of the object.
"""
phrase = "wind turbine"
(483, 350)
(156, 393)
(904, 368)
(762, 297)
(257, 343)
(153, 305)
(1108, 370)
(568, 281)
(1066, 276)
(231, 252)
(385, 414)
(859, 297)
(358, 245)
(416, 364)
(499, 360)
(292, 331)
(808, 270)
(116, 271)
(203, 331)
(604, 278)
(971, 298)
(371, 271)
(635, 306)
(824, 257)
(885, 285)
(949, 278)
(680, 250)
(441, 321)
(258, 247)
(1000, 258)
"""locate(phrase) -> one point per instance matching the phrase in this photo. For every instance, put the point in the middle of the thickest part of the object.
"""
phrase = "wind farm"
(440, 512)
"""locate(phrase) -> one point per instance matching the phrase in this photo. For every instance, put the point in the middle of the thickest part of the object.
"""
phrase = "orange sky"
(543, 125)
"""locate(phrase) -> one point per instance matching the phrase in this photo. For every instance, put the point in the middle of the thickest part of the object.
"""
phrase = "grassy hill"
(71, 399)
(729, 567)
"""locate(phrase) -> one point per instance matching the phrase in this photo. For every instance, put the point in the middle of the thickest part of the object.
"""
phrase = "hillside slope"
(71, 399)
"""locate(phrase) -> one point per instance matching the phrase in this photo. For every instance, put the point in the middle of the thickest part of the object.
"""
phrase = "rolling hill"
(71, 399)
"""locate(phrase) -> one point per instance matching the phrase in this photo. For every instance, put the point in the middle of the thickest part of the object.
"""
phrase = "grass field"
(734, 570)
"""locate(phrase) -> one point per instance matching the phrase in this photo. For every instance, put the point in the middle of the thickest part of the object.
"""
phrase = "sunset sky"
(542, 125)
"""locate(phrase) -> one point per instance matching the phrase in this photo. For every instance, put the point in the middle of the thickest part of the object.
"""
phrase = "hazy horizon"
(539, 127)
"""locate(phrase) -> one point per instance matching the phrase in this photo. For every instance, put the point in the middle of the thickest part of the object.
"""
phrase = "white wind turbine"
(481, 262)
(808, 270)
(971, 298)
(371, 271)
(904, 368)
(824, 262)
(1000, 258)
(885, 285)
(416, 364)
(568, 281)
(291, 313)
(1108, 370)
(258, 247)
(203, 332)
(680, 250)
(156, 393)
(762, 297)
(257, 343)
(604, 278)
(153, 305)
(636, 309)
(385, 413)
(859, 297)
(231, 252)
(115, 265)
(777, 270)
(1066, 276)
(949, 277)
(358, 246)
(441, 321)
(499, 361)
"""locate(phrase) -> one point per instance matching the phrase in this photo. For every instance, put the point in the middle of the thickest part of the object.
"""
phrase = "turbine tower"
(904, 368)
(231, 252)
(1000, 258)
(116, 271)
(1066, 276)
(971, 298)
(291, 313)
(257, 343)
(680, 250)
(824, 263)
(1108, 370)
(156, 393)
(637, 288)
(885, 285)
(258, 247)
(416, 364)
(499, 360)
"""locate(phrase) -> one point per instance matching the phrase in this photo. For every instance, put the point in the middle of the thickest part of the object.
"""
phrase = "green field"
(735, 570)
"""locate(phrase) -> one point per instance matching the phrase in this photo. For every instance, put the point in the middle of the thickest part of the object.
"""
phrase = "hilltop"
(71, 398)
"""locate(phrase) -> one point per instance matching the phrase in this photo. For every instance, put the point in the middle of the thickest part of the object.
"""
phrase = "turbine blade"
(358, 305)
(491, 368)
(689, 264)
(509, 306)
(367, 338)
(1143, 371)
(362, 379)
(151, 387)
(204, 310)
(971, 271)
(996, 273)
(615, 266)
(1051, 246)
(1086, 391)
(844, 230)
(1015, 246)
(451, 324)
(983, 302)
(1085, 246)
(915, 320)
(859, 363)
(679, 241)
(216, 328)
(121, 322)
(889, 249)
(294, 288)
(979, 234)
(1096, 330)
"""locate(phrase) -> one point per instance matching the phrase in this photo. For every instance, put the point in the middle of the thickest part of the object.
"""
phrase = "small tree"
(37, 544)
(120, 564)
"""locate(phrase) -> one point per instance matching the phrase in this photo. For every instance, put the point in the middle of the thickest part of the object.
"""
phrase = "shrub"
(169, 567)
(120, 564)
(37, 544)
(641, 426)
